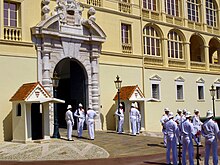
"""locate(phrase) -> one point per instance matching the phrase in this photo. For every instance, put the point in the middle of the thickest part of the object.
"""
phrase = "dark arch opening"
(73, 87)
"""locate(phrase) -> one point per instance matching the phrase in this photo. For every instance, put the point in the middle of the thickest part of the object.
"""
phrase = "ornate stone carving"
(45, 9)
(70, 12)
(91, 14)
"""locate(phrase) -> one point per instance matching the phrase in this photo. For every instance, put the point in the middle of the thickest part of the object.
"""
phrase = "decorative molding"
(155, 78)
(179, 79)
(200, 80)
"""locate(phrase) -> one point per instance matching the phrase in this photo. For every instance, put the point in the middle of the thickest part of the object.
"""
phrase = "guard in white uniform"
(120, 114)
(197, 125)
(138, 118)
(188, 135)
(133, 118)
(69, 122)
(172, 133)
(178, 120)
(210, 131)
(163, 121)
(90, 115)
(80, 114)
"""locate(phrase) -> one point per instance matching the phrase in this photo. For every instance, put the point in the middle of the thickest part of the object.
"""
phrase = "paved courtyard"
(118, 148)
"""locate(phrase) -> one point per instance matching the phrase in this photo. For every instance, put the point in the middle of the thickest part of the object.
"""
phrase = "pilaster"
(206, 47)
(165, 52)
(95, 85)
(46, 80)
(187, 53)
(163, 10)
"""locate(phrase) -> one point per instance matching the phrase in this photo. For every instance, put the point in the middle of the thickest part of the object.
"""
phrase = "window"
(217, 92)
(172, 7)
(18, 110)
(125, 33)
(152, 42)
(150, 4)
(126, 38)
(179, 92)
(11, 14)
(155, 87)
(155, 91)
(175, 46)
(211, 13)
(193, 10)
(200, 92)
(179, 88)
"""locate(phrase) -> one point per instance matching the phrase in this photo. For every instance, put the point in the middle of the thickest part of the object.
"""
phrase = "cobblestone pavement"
(145, 148)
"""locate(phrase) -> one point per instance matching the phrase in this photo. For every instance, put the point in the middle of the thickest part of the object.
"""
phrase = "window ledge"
(202, 100)
(180, 100)
(153, 100)
(20, 43)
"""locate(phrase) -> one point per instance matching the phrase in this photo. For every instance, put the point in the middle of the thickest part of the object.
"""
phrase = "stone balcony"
(12, 33)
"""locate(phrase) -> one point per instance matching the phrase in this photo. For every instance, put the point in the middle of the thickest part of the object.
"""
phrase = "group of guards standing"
(81, 116)
(135, 119)
(183, 129)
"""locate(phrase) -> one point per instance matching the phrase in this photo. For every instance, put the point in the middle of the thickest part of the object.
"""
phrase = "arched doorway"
(73, 87)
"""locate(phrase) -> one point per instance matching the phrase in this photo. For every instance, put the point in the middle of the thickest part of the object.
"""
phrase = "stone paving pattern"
(146, 147)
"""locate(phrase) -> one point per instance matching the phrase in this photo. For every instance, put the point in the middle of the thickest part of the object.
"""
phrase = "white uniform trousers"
(69, 129)
(120, 124)
(164, 137)
(138, 126)
(133, 125)
(171, 144)
(91, 128)
(211, 143)
(80, 127)
(187, 145)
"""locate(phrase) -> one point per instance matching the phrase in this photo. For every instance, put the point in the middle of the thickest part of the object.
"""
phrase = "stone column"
(95, 85)
(218, 55)
(203, 14)
(163, 10)
(46, 79)
(165, 52)
(187, 55)
(206, 47)
(185, 13)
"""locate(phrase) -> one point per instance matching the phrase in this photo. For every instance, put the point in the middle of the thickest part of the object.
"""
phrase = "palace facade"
(166, 52)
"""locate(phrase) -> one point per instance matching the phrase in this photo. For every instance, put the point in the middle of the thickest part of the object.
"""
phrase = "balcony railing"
(214, 67)
(152, 60)
(124, 7)
(12, 33)
(177, 63)
(150, 14)
(126, 48)
(197, 65)
(94, 2)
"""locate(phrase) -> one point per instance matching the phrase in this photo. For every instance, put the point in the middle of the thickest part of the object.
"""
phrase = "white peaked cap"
(184, 110)
(132, 104)
(179, 110)
(170, 115)
(136, 105)
(188, 114)
(120, 105)
(196, 110)
(80, 105)
(69, 107)
(166, 109)
(209, 114)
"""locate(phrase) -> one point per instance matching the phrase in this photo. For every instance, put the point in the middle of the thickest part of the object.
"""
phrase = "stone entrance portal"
(66, 36)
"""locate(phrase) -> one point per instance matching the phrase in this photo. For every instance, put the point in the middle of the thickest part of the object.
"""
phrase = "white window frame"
(156, 80)
(172, 8)
(194, 7)
(151, 40)
(217, 87)
(150, 5)
(198, 94)
(175, 45)
(180, 82)
(211, 13)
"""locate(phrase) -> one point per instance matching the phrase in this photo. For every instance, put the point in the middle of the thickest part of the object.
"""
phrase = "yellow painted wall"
(128, 75)
(154, 110)
(14, 72)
